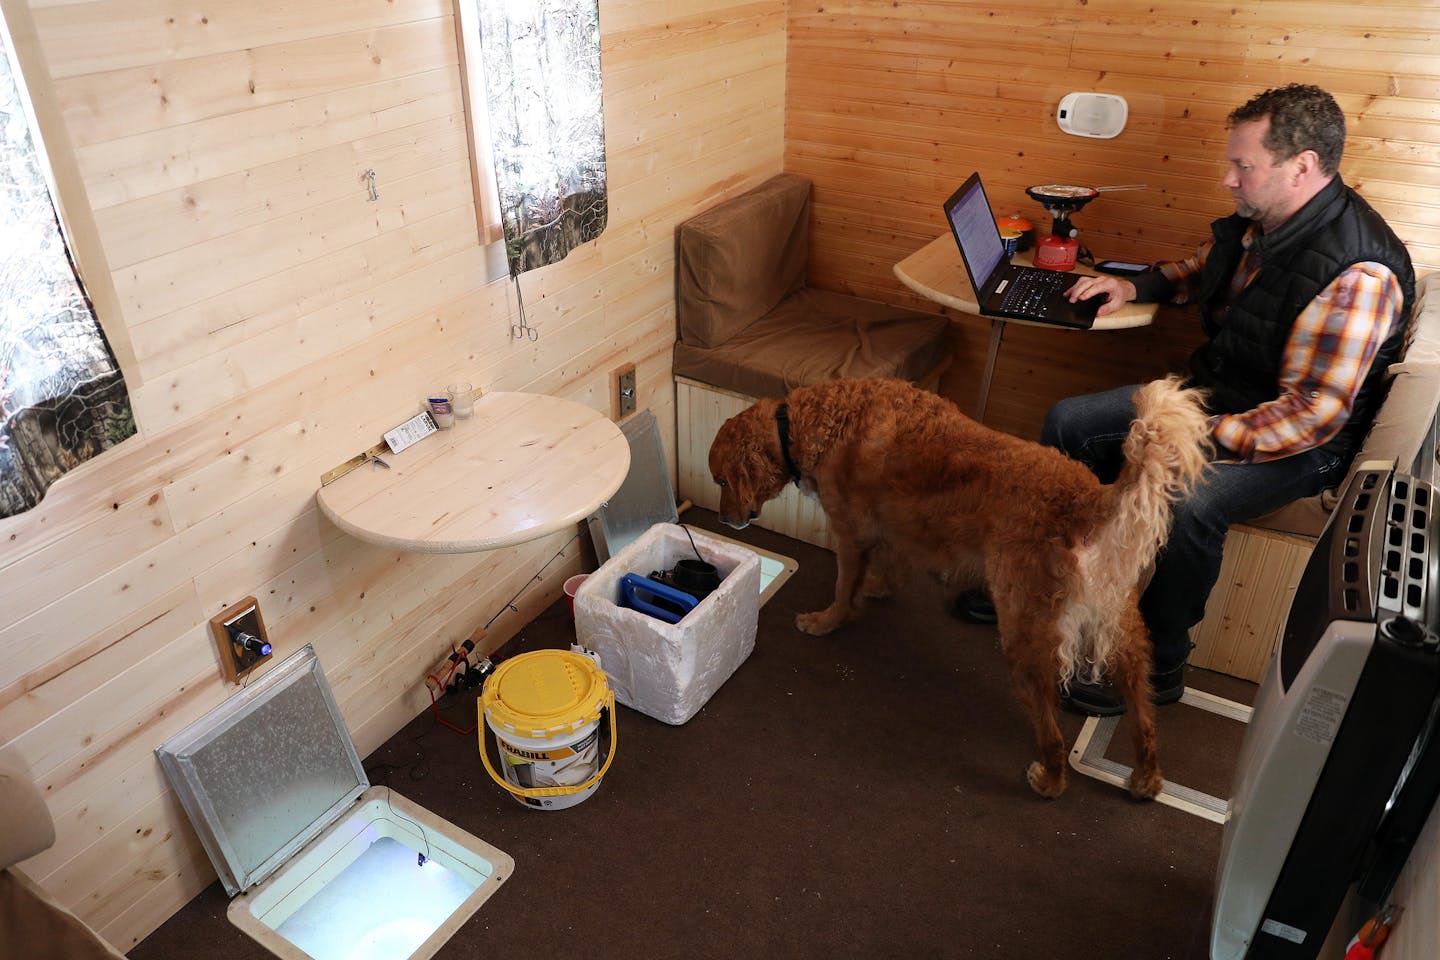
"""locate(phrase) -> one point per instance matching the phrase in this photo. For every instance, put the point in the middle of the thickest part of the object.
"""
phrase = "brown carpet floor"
(859, 795)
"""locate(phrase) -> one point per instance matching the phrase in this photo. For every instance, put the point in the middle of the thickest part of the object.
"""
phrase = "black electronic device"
(1121, 268)
(1002, 288)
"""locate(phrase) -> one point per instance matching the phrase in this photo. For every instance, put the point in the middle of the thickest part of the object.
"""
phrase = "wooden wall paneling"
(227, 204)
(889, 108)
(283, 321)
(1248, 606)
(706, 32)
(205, 386)
(227, 319)
(55, 568)
(28, 701)
(121, 686)
(124, 102)
(170, 158)
(183, 277)
(114, 34)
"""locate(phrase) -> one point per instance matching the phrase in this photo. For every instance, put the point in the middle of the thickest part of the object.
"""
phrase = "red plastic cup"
(571, 586)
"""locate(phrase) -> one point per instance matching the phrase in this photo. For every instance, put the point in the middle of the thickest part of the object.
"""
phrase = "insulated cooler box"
(669, 670)
(1340, 764)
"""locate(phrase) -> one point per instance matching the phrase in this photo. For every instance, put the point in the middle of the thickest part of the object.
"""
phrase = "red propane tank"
(1056, 253)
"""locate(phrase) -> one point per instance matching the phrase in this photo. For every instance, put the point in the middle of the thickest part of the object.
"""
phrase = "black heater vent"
(1341, 577)
(1356, 529)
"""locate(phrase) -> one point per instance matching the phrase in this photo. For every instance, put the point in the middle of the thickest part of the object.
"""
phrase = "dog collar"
(782, 423)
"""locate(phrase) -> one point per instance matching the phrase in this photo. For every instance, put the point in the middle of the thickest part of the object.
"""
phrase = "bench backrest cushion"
(740, 258)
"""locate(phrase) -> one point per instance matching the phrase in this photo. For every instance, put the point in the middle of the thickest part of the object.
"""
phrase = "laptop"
(1001, 288)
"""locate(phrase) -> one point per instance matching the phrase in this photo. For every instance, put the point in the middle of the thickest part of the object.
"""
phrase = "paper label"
(416, 428)
(1283, 930)
(1320, 717)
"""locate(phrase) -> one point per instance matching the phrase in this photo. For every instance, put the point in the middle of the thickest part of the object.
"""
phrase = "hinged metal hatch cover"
(644, 498)
(266, 771)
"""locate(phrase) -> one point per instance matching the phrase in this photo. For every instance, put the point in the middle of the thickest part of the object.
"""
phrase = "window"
(62, 396)
(533, 97)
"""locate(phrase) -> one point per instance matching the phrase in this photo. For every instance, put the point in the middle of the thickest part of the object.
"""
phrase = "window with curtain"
(62, 397)
(534, 78)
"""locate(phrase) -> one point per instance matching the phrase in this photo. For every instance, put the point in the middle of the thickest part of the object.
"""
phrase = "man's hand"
(1117, 292)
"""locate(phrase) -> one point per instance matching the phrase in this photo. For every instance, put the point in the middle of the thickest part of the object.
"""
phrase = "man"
(1305, 296)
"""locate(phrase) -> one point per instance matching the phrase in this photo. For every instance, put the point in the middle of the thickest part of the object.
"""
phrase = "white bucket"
(545, 709)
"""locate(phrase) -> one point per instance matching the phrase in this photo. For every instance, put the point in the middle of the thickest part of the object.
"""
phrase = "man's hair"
(1302, 117)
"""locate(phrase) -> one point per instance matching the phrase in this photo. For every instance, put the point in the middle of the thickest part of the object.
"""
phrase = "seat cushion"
(814, 336)
(37, 927)
(740, 258)
(27, 828)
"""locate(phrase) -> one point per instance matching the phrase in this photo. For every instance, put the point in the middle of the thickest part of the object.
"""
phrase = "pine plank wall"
(276, 322)
(272, 321)
(891, 105)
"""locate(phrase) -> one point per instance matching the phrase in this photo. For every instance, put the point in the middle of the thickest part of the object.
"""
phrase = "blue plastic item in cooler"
(655, 599)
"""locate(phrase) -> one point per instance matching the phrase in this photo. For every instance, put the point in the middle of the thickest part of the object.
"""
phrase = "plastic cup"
(571, 586)
(462, 399)
(442, 412)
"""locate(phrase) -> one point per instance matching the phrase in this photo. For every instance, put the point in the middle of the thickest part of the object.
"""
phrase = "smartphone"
(1121, 268)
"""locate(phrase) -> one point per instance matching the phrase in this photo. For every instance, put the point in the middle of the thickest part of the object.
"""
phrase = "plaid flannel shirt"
(1324, 362)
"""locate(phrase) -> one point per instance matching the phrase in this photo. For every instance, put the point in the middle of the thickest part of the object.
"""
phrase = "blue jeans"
(1092, 428)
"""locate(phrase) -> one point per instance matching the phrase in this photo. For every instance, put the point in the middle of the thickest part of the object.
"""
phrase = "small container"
(442, 412)
(571, 585)
(1011, 240)
(462, 400)
(1056, 253)
(1021, 226)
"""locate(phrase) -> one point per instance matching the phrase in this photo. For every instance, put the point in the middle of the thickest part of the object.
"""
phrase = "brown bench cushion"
(814, 336)
(740, 258)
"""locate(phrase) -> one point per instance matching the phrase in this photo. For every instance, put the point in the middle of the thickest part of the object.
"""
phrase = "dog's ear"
(742, 457)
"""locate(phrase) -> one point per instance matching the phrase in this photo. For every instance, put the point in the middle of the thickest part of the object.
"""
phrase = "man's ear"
(1307, 164)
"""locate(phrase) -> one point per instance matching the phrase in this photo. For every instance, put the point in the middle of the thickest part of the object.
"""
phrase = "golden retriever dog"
(905, 477)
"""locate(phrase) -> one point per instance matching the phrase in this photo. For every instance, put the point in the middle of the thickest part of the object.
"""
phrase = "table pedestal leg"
(997, 332)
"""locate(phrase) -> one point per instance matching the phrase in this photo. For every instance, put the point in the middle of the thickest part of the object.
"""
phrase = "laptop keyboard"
(1029, 292)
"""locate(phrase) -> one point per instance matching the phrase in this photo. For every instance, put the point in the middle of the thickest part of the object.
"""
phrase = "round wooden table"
(936, 272)
(524, 466)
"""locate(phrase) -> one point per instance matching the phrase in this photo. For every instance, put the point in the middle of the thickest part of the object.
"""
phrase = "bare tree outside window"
(62, 396)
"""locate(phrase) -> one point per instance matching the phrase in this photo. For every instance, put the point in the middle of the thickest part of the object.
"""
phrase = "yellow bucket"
(545, 709)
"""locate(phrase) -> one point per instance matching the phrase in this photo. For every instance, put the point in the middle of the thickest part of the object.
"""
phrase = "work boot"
(974, 606)
(1103, 699)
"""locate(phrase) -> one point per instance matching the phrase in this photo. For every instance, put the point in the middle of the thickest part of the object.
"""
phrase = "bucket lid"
(545, 693)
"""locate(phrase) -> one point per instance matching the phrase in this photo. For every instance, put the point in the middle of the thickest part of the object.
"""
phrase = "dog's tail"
(1166, 450)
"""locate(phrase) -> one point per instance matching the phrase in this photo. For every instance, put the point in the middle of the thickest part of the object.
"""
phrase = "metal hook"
(370, 177)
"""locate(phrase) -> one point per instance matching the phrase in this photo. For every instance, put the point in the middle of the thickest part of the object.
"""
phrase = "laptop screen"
(973, 224)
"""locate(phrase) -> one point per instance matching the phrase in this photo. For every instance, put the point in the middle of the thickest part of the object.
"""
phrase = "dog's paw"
(817, 624)
(1145, 785)
(1043, 783)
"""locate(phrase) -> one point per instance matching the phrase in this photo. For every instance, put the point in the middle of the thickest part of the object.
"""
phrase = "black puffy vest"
(1240, 364)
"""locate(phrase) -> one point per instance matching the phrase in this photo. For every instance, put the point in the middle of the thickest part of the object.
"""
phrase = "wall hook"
(370, 179)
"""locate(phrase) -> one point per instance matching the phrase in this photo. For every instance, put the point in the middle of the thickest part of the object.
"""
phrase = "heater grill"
(1407, 587)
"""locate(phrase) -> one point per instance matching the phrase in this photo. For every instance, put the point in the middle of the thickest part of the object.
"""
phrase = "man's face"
(1265, 190)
